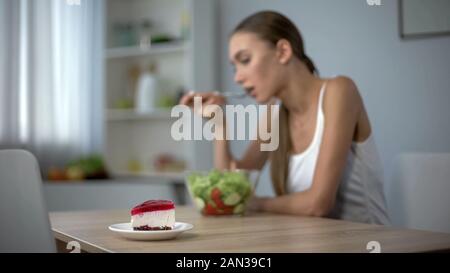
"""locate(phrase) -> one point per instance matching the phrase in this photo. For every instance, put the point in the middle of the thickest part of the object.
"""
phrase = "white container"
(147, 92)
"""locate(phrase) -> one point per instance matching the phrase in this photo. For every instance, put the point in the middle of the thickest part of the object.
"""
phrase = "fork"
(237, 95)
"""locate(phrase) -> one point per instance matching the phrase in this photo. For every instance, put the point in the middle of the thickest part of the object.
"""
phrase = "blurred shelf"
(76, 182)
(174, 176)
(130, 115)
(136, 51)
(63, 182)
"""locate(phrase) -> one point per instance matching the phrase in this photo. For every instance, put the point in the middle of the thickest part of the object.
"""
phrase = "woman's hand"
(256, 204)
(210, 100)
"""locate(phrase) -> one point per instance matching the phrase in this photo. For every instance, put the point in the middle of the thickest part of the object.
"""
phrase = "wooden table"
(258, 232)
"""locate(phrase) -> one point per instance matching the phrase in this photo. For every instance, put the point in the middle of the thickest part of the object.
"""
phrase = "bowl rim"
(186, 173)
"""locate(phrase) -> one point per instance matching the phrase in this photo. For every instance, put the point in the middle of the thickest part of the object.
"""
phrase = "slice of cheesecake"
(153, 215)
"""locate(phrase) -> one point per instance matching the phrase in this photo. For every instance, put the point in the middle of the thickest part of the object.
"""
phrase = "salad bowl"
(222, 192)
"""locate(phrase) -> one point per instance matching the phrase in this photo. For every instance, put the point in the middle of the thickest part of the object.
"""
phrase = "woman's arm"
(342, 107)
(254, 158)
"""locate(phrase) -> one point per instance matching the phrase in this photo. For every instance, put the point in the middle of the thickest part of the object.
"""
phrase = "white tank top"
(360, 195)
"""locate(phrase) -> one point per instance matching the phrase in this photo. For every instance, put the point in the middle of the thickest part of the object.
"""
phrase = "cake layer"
(154, 220)
(153, 205)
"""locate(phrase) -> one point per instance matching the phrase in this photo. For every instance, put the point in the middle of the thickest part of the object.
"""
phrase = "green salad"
(219, 193)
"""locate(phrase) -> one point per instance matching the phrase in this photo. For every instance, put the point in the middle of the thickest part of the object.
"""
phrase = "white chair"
(419, 192)
(25, 225)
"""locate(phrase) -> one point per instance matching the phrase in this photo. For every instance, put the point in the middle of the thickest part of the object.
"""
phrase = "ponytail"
(310, 64)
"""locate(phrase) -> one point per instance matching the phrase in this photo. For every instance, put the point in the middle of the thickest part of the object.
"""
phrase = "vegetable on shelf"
(91, 167)
(168, 163)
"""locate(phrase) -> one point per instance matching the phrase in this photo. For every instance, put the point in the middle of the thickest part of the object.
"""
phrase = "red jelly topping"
(152, 205)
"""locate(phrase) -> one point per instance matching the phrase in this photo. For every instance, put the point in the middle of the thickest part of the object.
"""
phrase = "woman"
(326, 164)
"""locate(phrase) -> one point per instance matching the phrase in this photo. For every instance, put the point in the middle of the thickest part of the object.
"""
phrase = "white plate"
(125, 230)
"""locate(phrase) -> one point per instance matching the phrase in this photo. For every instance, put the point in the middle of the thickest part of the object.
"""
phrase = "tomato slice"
(216, 197)
(210, 210)
(215, 193)
(219, 207)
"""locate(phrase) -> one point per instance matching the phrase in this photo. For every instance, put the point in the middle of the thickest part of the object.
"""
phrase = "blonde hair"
(280, 158)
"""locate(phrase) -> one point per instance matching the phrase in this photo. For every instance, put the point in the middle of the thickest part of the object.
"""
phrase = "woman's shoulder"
(341, 91)
(343, 85)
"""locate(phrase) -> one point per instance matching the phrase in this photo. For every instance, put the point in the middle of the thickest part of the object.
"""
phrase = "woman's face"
(256, 66)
